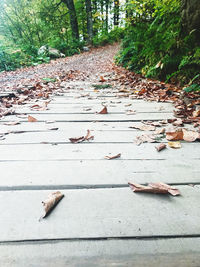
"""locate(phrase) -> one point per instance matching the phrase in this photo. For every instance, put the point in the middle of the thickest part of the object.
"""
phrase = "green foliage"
(154, 45)
(108, 38)
(102, 86)
(192, 88)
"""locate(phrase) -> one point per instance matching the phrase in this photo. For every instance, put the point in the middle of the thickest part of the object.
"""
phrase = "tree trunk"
(116, 13)
(107, 6)
(88, 6)
(73, 18)
(191, 17)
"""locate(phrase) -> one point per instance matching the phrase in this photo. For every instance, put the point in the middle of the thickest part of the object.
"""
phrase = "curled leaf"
(51, 202)
(113, 157)
(103, 111)
(160, 147)
(143, 127)
(156, 188)
(31, 119)
(88, 137)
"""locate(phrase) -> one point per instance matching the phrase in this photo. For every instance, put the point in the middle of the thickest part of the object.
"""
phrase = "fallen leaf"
(174, 136)
(160, 131)
(31, 119)
(156, 188)
(178, 122)
(102, 79)
(77, 139)
(113, 157)
(143, 127)
(88, 136)
(160, 147)
(174, 144)
(190, 136)
(103, 111)
(144, 139)
(51, 202)
(82, 138)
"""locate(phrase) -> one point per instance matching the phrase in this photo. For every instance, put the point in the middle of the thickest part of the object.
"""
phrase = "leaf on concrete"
(113, 157)
(160, 131)
(178, 122)
(145, 138)
(143, 127)
(190, 136)
(174, 144)
(174, 136)
(53, 129)
(31, 119)
(88, 137)
(196, 113)
(103, 111)
(160, 147)
(51, 202)
(156, 188)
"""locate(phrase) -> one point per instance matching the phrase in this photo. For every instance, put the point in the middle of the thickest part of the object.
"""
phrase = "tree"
(88, 6)
(191, 17)
(73, 18)
(116, 13)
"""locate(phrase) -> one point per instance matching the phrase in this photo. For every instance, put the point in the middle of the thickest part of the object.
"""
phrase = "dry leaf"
(160, 147)
(145, 138)
(77, 139)
(51, 202)
(190, 136)
(82, 138)
(143, 127)
(113, 157)
(160, 131)
(178, 122)
(174, 136)
(174, 144)
(102, 79)
(88, 136)
(156, 188)
(31, 119)
(103, 111)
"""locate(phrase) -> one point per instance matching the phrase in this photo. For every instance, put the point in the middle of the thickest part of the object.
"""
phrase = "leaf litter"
(81, 139)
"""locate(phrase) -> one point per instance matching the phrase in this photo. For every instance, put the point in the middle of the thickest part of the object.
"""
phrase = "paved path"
(100, 221)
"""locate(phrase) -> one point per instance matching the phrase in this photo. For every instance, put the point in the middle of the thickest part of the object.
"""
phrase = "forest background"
(159, 38)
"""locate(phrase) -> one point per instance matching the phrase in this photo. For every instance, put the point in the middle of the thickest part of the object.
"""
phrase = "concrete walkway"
(100, 221)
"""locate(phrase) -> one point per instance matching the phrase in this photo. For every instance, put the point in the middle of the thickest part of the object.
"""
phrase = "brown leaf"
(31, 119)
(88, 136)
(178, 122)
(51, 202)
(143, 127)
(156, 188)
(145, 138)
(82, 138)
(77, 139)
(190, 136)
(102, 79)
(174, 144)
(160, 147)
(113, 157)
(174, 136)
(103, 111)
(160, 131)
